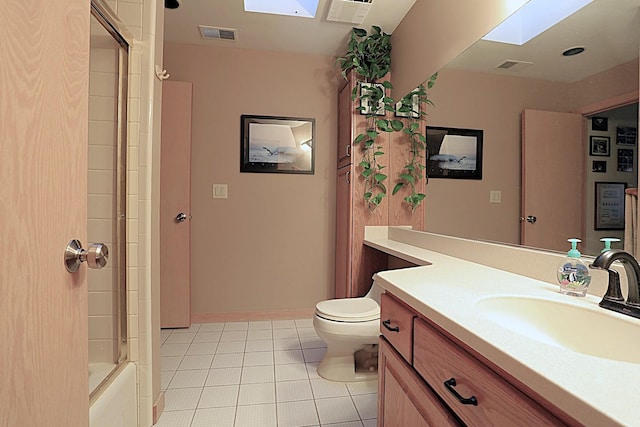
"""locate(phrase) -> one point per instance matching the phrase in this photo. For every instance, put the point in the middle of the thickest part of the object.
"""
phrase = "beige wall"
(461, 207)
(494, 104)
(435, 32)
(270, 244)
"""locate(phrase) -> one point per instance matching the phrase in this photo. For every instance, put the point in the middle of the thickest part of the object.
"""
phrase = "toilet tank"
(375, 291)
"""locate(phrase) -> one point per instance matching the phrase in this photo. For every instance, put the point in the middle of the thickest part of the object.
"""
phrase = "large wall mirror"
(489, 86)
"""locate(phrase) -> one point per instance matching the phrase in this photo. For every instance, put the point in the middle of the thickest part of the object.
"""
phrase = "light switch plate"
(495, 196)
(219, 191)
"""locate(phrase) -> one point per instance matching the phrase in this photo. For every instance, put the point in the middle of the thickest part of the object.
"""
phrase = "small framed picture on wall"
(625, 160)
(599, 123)
(599, 166)
(599, 146)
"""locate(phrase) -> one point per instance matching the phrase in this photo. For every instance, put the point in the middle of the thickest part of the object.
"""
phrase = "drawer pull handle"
(387, 324)
(450, 384)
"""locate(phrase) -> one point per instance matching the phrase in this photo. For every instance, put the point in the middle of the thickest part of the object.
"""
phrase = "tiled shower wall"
(103, 68)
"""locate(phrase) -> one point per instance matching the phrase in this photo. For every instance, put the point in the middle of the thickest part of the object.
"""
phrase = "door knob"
(181, 217)
(96, 256)
(532, 219)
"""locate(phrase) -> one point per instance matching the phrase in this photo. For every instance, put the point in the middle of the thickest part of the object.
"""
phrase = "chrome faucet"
(613, 299)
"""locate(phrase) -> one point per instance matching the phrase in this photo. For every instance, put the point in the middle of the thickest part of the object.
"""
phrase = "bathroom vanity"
(468, 343)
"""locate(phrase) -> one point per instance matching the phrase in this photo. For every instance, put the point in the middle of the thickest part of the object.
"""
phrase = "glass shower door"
(106, 206)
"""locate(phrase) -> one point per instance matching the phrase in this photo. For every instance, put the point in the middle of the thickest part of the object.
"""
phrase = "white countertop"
(594, 391)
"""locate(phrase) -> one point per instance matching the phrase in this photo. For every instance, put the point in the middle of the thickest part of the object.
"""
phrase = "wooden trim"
(158, 408)
(607, 104)
(253, 315)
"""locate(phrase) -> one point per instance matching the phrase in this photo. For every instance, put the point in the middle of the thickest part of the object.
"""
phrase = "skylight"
(303, 8)
(532, 19)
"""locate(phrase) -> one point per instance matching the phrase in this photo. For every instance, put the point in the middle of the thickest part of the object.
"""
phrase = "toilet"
(347, 326)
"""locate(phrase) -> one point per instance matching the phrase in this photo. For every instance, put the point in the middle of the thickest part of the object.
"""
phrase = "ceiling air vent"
(351, 11)
(513, 65)
(217, 33)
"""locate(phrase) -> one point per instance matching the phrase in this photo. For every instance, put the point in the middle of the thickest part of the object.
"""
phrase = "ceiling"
(275, 32)
(608, 29)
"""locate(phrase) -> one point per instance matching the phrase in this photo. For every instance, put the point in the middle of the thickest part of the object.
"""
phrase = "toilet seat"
(349, 310)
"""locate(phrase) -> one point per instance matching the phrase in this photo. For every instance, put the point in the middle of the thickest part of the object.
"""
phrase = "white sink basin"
(592, 331)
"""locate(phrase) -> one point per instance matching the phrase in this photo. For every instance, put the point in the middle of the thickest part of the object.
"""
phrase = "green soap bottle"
(573, 272)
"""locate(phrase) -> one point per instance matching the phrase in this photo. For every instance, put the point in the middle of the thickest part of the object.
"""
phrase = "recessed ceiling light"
(573, 51)
(532, 19)
(302, 8)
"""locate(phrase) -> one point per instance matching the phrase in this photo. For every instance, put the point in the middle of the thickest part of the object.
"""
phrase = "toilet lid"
(349, 309)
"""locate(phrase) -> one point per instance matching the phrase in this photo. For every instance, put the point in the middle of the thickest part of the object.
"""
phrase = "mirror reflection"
(490, 85)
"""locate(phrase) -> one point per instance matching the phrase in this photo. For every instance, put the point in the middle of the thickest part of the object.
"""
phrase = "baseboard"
(158, 408)
(240, 316)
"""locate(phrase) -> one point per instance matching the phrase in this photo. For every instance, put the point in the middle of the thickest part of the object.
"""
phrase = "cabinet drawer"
(405, 400)
(396, 325)
(437, 359)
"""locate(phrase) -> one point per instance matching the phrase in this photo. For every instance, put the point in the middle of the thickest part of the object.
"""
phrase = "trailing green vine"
(413, 106)
(369, 56)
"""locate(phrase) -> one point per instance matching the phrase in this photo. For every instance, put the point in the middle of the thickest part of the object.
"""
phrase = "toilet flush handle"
(387, 324)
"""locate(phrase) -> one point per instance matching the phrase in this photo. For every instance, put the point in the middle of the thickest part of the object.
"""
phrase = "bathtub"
(116, 405)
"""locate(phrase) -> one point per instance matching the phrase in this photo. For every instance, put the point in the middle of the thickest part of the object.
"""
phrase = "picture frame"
(626, 135)
(599, 166)
(599, 146)
(365, 100)
(600, 124)
(274, 144)
(454, 153)
(609, 205)
(625, 160)
(415, 108)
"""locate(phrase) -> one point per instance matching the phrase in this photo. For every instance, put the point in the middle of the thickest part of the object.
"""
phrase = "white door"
(175, 206)
(44, 63)
(553, 153)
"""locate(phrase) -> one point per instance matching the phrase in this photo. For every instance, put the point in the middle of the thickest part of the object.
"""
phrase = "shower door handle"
(95, 257)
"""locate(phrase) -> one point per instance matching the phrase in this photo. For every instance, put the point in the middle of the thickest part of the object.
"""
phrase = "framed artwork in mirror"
(599, 166)
(277, 144)
(625, 160)
(599, 146)
(454, 153)
(599, 123)
(609, 208)
(626, 135)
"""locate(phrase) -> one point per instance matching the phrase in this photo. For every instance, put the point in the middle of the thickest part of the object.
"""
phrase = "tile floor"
(256, 374)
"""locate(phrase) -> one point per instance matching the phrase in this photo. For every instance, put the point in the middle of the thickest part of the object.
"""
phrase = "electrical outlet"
(495, 196)
(219, 191)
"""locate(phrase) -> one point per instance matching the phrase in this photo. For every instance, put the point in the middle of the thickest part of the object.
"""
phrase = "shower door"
(106, 203)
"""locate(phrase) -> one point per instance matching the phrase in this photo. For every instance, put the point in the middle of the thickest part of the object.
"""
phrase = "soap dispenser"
(607, 243)
(573, 273)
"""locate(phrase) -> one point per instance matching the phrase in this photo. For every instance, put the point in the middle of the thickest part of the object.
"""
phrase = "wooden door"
(344, 231)
(175, 199)
(44, 97)
(553, 173)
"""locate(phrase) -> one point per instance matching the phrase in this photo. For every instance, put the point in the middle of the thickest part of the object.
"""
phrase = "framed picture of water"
(277, 144)
(454, 153)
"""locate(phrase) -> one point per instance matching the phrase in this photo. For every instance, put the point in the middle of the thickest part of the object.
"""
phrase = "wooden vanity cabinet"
(425, 379)
(404, 398)
(356, 263)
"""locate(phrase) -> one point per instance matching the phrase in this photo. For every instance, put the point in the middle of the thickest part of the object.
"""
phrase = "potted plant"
(369, 57)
